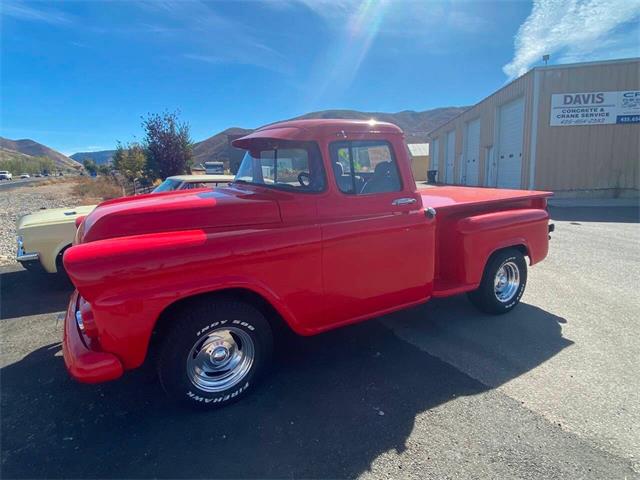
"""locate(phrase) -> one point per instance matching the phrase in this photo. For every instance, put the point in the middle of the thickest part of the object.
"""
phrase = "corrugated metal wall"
(587, 157)
(570, 159)
(487, 111)
(419, 167)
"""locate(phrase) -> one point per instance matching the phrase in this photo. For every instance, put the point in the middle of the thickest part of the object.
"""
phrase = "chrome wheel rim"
(506, 281)
(220, 359)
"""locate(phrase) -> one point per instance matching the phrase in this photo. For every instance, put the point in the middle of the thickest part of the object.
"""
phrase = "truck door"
(377, 243)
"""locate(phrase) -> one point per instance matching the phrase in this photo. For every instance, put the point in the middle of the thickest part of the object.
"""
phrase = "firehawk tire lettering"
(198, 398)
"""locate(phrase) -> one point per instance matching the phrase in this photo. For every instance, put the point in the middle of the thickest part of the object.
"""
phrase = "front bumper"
(83, 363)
(23, 256)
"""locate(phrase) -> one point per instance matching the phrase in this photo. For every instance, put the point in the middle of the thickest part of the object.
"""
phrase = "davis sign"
(595, 108)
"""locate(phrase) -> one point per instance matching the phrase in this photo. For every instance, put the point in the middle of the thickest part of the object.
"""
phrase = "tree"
(130, 160)
(90, 166)
(168, 145)
(104, 169)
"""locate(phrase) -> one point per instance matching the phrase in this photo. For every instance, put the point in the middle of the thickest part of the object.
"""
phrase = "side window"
(287, 165)
(364, 167)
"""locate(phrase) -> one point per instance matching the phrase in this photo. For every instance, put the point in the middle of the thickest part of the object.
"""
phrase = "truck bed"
(468, 216)
(451, 198)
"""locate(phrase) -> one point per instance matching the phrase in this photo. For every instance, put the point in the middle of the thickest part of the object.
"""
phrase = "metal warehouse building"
(573, 129)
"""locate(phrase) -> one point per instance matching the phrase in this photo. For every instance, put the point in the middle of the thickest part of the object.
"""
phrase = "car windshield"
(283, 164)
(167, 186)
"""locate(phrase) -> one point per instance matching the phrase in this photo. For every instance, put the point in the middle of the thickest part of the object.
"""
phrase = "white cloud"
(575, 30)
(22, 11)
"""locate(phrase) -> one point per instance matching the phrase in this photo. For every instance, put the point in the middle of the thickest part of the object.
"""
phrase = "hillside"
(18, 163)
(219, 147)
(7, 154)
(35, 149)
(100, 157)
(416, 125)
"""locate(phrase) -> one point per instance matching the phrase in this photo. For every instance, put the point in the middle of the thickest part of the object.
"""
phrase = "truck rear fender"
(480, 236)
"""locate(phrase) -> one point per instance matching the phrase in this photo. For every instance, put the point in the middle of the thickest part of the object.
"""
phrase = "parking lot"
(549, 390)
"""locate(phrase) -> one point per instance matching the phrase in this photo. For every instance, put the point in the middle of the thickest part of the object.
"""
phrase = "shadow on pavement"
(316, 415)
(596, 214)
(24, 293)
(491, 348)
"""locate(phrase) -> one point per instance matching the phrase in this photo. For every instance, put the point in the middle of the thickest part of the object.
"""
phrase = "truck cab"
(323, 226)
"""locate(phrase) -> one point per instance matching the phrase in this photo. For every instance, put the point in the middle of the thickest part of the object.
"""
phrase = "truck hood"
(53, 216)
(223, 208)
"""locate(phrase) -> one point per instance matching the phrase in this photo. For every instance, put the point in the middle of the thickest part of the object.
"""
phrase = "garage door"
(435, 159)
(450, 156)
(472, 153)
(511, 123)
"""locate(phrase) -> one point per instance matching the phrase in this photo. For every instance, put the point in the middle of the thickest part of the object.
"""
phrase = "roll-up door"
(472, 153)
(450, 156)
(509, 153)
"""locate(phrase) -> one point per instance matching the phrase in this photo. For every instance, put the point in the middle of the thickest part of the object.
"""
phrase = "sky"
(78, 75)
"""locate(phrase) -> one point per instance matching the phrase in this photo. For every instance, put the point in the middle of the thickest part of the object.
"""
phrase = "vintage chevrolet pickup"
(322, 227)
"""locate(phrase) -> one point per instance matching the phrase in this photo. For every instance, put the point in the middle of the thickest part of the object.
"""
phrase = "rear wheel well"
(519, 247)
(278, 324)
(59, 264)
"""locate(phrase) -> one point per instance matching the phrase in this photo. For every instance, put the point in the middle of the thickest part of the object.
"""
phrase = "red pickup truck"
(322, 227)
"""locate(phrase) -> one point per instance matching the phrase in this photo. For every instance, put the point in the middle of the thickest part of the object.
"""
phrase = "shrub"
(96, 190)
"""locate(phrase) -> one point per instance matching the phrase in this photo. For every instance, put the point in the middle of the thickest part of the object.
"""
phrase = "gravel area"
(17, 202)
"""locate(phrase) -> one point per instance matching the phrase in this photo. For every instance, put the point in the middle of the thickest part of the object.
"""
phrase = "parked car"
(5, 175)
(44, 236)
(25, 175)
(322, 227)
(185, 182)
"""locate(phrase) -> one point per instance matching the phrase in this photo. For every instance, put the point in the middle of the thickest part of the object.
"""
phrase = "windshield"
(285, 165)
(167, 186)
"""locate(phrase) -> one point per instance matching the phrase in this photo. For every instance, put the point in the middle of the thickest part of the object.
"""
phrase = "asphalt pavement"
(6, 185)
(438, 391)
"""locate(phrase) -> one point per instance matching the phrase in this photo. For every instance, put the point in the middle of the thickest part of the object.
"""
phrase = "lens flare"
(350, 49)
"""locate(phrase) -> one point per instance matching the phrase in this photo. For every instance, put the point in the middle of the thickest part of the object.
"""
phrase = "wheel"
(503, 282)
(214, 352)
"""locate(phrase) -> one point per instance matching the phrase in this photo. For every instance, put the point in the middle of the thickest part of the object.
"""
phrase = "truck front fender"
(130, 281)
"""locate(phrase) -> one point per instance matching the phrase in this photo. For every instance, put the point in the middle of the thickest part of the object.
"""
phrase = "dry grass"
(51, 181)
(96, 190)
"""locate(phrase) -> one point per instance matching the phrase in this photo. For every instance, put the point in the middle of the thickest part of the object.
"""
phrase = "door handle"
(403, 201)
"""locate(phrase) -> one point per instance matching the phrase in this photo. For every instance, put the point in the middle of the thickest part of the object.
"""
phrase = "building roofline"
(586, 64)
(535, 69)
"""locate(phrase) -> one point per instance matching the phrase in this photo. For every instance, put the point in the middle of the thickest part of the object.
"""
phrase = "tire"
(214, 353)
(498, 298)
(60, 270)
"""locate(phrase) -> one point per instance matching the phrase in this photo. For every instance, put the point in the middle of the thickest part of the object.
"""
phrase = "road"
(439, 391)
(6, 185)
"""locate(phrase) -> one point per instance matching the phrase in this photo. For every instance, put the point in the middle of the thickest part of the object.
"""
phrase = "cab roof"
(313, 129)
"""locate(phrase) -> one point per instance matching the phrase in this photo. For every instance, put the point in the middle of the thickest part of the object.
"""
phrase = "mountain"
(35, 149)
(416, 125)
(219, 147)
(7, 154)
(100, 157)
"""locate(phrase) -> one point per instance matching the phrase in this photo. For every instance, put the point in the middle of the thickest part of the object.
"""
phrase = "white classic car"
(44, 236)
